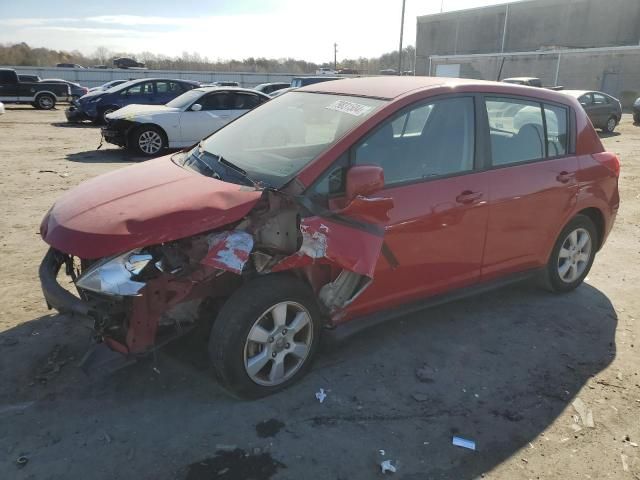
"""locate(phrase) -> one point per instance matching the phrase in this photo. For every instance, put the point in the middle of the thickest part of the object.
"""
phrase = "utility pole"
(400, 49)
(335, 56)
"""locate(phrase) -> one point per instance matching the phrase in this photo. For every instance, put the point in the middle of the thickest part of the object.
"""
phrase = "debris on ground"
(625, 465)
(21, 461)
(586, 415)
(464, 443)
(62, 175)
(321, 395)
(387, 466)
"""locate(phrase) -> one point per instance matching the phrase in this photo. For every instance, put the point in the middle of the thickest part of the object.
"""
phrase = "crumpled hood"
(134, 110)
(145, 204)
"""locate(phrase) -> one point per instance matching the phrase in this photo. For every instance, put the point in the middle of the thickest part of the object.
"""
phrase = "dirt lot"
(507, 369)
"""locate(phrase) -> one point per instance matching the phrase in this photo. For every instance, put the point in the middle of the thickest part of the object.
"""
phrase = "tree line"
(21, 54)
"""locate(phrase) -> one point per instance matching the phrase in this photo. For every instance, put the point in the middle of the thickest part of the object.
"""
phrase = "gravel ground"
(547, 386)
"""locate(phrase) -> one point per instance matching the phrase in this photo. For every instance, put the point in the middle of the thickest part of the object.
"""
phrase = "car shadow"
(75, 125)
(106, 155)
(608, 135)
(496, 369)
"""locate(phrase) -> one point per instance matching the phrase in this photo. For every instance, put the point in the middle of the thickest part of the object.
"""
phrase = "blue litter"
(464, 443)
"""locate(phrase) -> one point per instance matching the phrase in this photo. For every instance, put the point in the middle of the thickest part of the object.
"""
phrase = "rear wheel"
(610, 126)
(636, 118)
(148, 140)
(265, 336)
(45, 101)
(572, 255)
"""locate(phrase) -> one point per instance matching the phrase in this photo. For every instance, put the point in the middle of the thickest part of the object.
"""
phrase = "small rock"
(420, 397)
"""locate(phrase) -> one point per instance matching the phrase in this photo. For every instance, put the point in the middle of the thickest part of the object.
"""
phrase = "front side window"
(585, 99)
(429, 140)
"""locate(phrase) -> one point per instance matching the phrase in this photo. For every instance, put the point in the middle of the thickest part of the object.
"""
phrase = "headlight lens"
(114, 275)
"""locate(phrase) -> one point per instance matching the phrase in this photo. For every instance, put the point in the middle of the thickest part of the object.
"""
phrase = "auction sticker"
(355, 109)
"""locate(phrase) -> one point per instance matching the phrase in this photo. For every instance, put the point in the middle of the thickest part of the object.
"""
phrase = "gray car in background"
(603, 110)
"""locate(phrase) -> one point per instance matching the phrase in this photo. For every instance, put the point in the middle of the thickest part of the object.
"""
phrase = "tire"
(610, 126)
(560, 278)
(45, 101)
(256, 304)
(636, 118)
(148, 140)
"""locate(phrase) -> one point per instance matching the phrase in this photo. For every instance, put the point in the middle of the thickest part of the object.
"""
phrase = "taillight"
(609, 160)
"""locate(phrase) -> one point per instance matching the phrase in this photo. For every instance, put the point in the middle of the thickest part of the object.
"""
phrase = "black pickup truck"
(42, 95)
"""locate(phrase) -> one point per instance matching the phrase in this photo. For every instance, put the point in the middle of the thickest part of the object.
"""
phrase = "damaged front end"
(139, 300)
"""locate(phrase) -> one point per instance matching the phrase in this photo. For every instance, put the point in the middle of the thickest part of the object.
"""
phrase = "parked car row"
(40, 94)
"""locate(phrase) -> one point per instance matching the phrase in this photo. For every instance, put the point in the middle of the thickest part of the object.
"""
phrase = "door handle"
(564, 177)
(468, 197)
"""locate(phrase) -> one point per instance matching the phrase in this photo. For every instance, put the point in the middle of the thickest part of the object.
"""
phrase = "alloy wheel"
(150, 142)
(611, 124)
(278, 344)
(574, 255)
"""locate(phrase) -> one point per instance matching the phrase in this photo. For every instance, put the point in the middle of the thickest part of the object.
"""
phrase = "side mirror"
(196, 107)
(363, 180)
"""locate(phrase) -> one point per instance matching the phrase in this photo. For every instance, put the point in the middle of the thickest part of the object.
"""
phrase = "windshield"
(184, 100)
(276, 140)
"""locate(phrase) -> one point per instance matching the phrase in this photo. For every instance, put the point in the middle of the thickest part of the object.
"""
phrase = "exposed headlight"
(637, 102)
(113, 276)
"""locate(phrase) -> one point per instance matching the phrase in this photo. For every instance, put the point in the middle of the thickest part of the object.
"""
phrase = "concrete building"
(581, 44)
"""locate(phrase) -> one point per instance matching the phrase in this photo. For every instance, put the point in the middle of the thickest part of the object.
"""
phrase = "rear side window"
(517, 130)
(145, 88)
(599, 99)
(244, 101)
(425, 141)
(169, 87)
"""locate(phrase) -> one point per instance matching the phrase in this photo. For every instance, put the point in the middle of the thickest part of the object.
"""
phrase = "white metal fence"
(94, 77)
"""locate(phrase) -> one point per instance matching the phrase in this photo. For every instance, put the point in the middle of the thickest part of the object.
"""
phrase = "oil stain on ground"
(234, 465)
(269, 428)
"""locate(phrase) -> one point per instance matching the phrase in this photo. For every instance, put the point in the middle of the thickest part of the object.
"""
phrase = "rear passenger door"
(532, 182)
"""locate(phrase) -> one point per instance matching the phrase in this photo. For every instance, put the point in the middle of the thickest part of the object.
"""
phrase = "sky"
(221, 29)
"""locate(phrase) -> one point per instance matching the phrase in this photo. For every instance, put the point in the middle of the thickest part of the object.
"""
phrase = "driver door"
(194, 126)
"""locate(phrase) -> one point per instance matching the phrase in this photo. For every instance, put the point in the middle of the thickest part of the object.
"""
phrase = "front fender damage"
(334, 251)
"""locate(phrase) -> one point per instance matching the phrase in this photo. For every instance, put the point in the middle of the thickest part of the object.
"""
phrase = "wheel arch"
(597, 217)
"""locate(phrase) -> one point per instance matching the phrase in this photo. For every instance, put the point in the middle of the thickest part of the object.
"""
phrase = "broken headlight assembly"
(117, 275)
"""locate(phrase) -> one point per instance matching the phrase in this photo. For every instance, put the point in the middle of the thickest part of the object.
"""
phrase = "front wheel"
(45, 101)
(572, 255)
(148, 140)
(265, 336)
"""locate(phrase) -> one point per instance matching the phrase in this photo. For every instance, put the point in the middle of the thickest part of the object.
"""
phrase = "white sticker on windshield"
(351, 108)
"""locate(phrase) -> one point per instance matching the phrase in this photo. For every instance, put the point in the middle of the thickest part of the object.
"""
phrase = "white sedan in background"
(184, 121)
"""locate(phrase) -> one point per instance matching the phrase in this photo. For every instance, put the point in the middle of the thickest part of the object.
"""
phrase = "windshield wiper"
(233, 167)
(194, 156)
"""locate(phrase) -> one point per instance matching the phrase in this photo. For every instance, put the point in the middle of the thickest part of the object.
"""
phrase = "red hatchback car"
(328, 209)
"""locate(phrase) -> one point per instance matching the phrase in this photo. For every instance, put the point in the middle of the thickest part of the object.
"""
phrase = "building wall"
(530, 25)
(545, 30)
(614, 71)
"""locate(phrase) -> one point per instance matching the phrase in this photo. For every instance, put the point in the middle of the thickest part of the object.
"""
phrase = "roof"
(391, 87)
(386, 87)
(228, 89)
